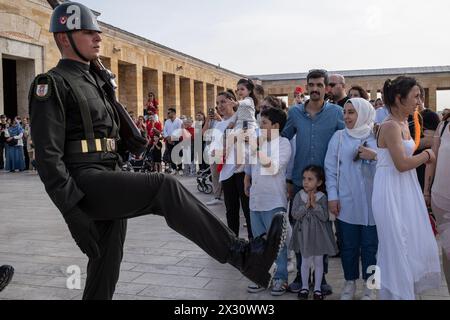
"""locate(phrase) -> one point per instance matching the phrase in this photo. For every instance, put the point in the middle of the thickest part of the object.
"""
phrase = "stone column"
(2, 107)
(291, 98)
(200, 96)
(211, 95)
(159, 93)
(187, 97)
(432, 98)
(139, 90)
(177, 94)
(373, 93)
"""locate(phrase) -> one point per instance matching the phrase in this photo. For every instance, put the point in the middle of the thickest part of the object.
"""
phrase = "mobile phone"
(245, 125)
(211, 111)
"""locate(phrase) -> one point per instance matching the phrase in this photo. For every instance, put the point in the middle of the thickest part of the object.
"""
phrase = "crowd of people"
(16, 147)
(355, 176)
(366, 181)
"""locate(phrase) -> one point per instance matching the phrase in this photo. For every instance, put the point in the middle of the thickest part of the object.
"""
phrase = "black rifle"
(129, 133)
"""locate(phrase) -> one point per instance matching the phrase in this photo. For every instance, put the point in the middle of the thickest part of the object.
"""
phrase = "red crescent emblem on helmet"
(63, 20)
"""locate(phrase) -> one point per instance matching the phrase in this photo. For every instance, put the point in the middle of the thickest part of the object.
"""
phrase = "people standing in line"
(314, 123)
(171, 133)
(437, 190)
(3, 128)
(350, 167)
(312, 236)
(408, 259)
(265, 185)
(14, 147)
(337, 91)
(358, 92)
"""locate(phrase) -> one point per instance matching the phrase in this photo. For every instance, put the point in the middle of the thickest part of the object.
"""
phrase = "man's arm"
(48, 134)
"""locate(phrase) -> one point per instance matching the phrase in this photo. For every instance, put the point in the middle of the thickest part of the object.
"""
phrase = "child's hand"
(231, 125)
(312, 199)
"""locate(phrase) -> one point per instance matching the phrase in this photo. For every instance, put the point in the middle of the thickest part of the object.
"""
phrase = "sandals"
(318, 295)
(303, 294)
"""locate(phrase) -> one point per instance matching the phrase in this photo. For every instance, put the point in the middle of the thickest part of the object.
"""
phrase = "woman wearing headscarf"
(350, 166)
(14, 147)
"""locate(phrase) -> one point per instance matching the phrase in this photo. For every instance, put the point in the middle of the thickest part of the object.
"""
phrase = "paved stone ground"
(158, 263)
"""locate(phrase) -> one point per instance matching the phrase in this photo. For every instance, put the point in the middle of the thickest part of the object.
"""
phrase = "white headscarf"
(366, 117)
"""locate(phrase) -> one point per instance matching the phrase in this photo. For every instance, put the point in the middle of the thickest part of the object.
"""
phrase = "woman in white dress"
(408, 258)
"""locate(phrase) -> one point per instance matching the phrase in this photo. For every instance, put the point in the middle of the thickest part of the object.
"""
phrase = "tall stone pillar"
(159, 93)
(432, 98)
(2, 107)
(200, 96)
(139, 89)
(211, 95)
(291, 99)
(187, 97)
(373, 93)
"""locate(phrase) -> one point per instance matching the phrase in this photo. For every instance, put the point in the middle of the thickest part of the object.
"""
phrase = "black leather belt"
(97, 145)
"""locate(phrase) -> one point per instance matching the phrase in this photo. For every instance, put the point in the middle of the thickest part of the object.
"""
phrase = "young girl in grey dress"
(312, 235)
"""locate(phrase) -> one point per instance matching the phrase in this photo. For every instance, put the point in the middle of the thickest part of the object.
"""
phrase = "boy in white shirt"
(265, 184)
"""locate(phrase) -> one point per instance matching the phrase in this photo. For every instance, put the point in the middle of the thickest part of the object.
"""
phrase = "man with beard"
(314, 123)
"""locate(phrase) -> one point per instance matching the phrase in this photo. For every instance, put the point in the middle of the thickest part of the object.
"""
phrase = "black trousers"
(234, 196)
(112, 195)
(2, 154)
(174, 166)
(26, 156)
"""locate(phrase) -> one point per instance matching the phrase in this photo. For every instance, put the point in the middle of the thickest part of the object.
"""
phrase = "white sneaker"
(368, 294)
(181, 173)
(349, 290)
(214, 202)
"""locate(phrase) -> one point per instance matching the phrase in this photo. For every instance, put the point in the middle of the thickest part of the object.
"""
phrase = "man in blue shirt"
(314, 123)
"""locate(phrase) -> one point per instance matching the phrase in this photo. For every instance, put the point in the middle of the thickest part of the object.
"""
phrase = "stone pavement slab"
(158, 263)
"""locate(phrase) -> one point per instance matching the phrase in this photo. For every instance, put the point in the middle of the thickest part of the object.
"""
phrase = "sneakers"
(368, 293)
(296, 285)
(255, 258)
(214, 202)
(349, 290)
(6, 274)
(254, 288)
(279, 288)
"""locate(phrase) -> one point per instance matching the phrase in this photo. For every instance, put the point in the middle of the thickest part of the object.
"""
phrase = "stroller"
(139, 163)
(204, 181)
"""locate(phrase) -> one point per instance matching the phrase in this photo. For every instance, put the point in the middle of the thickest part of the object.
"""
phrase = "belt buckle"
(110, 145)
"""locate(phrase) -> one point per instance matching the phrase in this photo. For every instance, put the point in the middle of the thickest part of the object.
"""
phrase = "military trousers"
(112, 196)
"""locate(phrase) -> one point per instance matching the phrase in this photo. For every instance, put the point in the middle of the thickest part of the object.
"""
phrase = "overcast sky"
(266, 36)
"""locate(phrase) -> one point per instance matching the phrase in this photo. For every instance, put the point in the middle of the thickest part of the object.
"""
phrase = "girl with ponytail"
(246, 107)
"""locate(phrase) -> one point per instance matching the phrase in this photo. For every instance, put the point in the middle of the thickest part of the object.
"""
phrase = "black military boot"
(255, 259)
(6, 274)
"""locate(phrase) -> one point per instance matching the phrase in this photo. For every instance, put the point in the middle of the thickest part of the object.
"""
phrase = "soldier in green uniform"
(75, 128)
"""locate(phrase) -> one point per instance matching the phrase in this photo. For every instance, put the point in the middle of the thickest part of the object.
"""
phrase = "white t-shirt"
(268, 189)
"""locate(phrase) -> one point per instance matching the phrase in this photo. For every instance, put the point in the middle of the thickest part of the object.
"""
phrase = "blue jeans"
(357, 241)
(298, 256)
(261, 221)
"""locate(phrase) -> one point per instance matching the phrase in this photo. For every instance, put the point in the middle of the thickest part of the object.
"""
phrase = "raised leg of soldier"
(117, 195)
(103, 273)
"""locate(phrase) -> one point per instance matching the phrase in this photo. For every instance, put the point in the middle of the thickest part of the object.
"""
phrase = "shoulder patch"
(42, 87)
